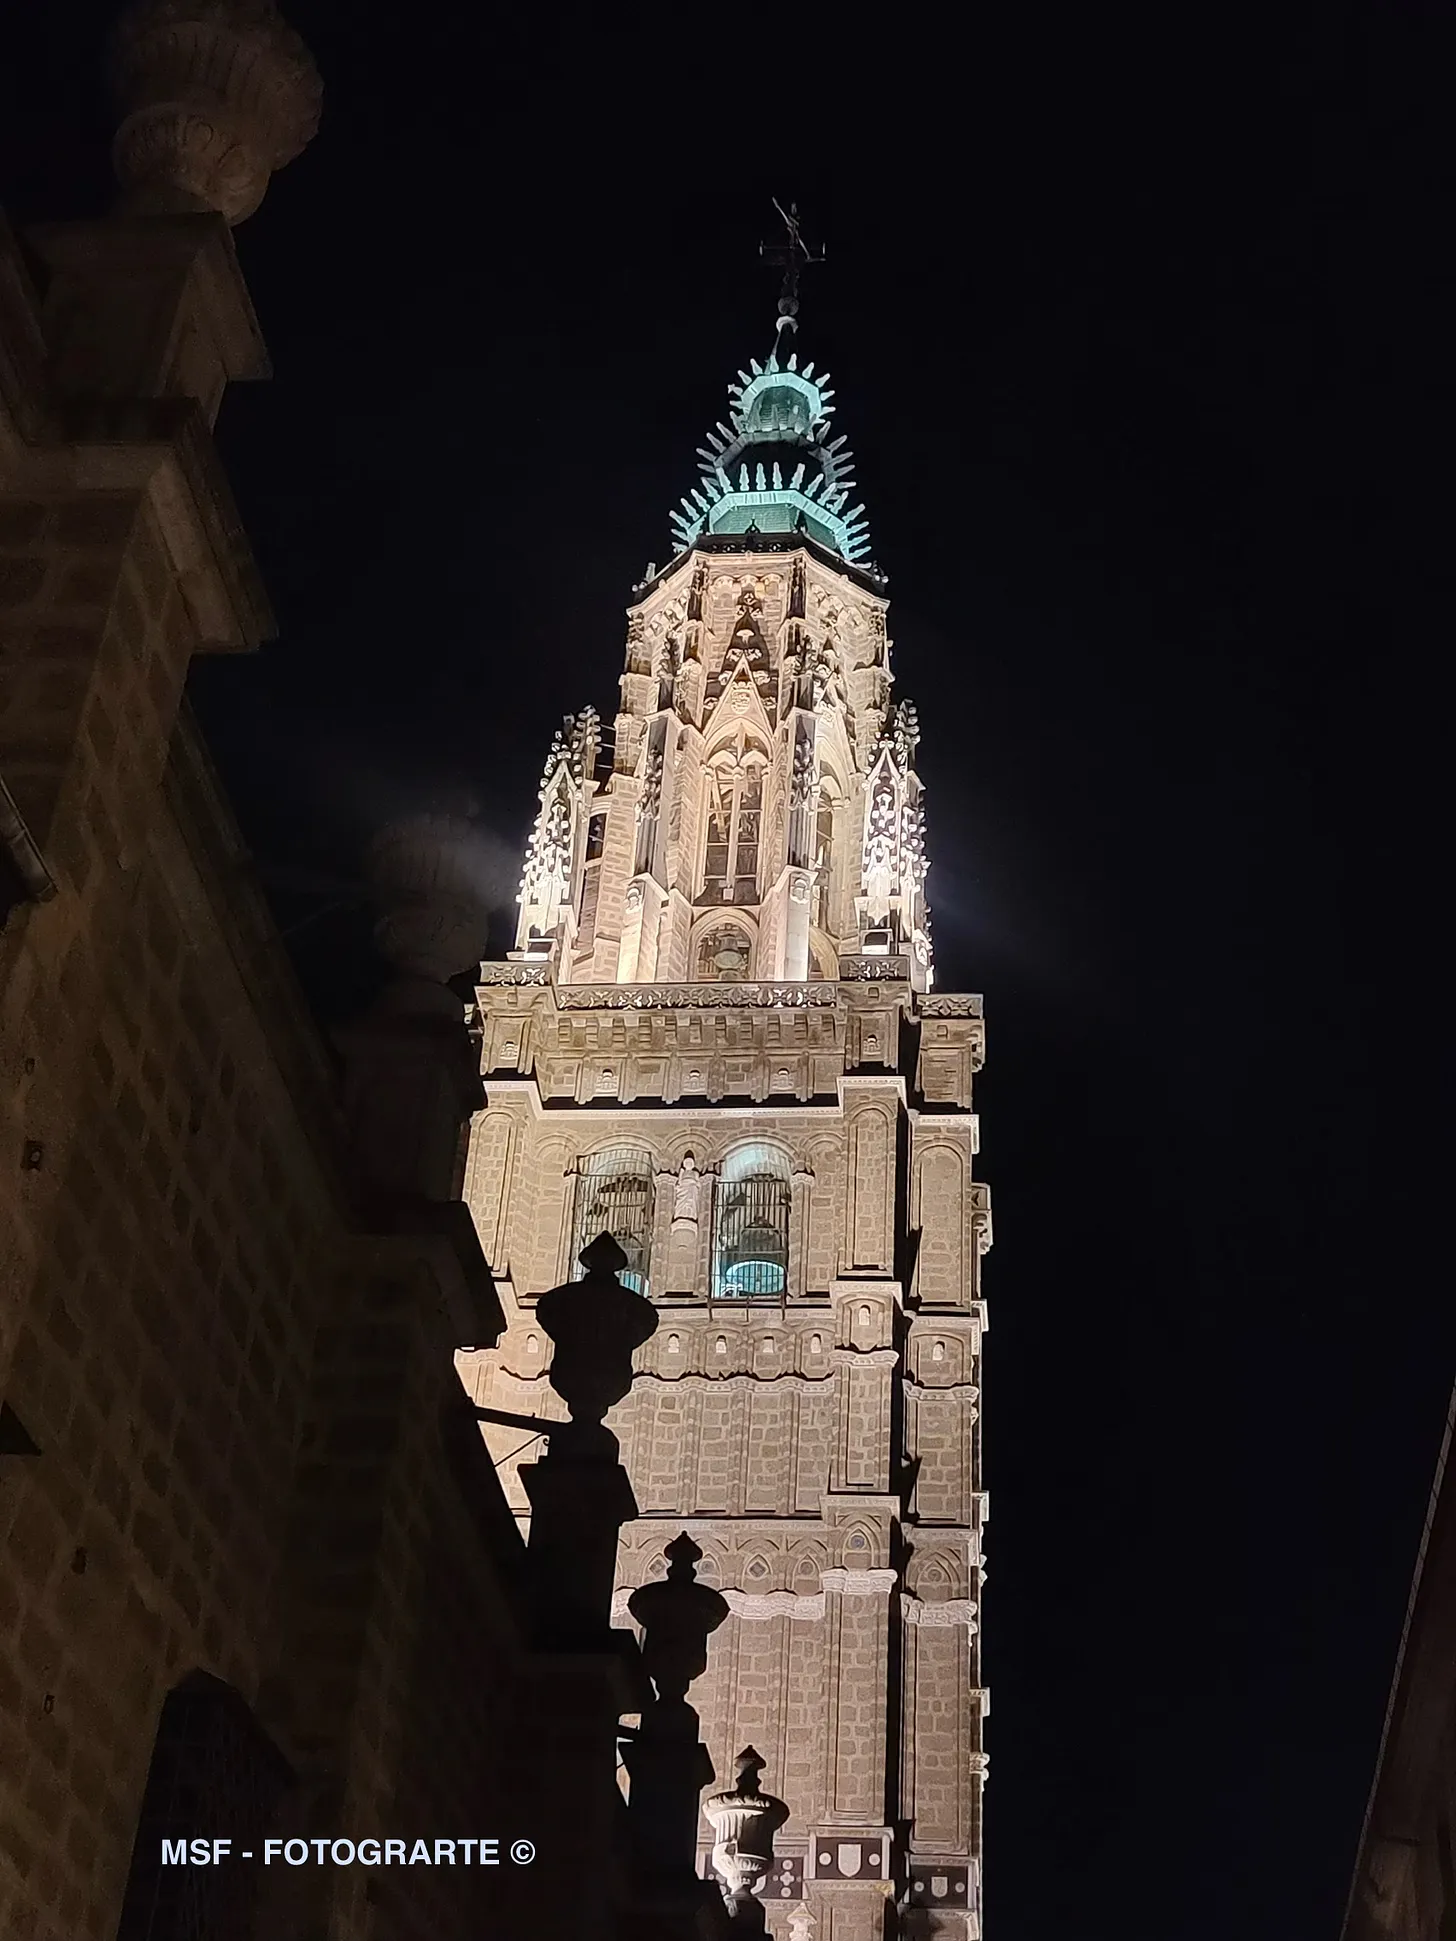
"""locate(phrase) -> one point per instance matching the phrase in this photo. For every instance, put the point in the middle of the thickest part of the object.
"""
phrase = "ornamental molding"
(860, 1583)
(887, 1084)
(874, 970)
(801, 1607)
(708, 997)
(694, 1380)
(808, 1607)
(781, 1107)
(647, 997)
(951, 1612)
(946, 1004)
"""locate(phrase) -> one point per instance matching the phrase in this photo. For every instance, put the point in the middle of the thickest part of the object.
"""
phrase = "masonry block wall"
(820, 1445)
(234, 1456)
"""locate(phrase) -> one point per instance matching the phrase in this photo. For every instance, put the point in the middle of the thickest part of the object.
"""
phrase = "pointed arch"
(735, 784)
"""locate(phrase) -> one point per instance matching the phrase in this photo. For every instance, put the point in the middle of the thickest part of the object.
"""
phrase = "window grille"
(614, 1195)
(734, 827)
(214, 1771)
(751, 1231)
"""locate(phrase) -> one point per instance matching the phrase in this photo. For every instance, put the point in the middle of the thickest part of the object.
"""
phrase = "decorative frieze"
(874, 970)
(860, 1583)
(700, 997)
(497, 974)
(947, 1004)
(942, 1616)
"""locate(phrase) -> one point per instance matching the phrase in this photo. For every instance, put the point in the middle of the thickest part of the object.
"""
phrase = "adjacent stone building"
(1405, 1879)
(718, 1038)
(257, 1574)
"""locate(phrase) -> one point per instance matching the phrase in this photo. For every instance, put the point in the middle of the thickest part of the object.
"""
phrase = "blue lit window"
(614, 1195)
(751, 1228)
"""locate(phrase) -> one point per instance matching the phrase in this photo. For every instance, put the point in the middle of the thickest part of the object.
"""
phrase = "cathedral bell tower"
(718, 1038)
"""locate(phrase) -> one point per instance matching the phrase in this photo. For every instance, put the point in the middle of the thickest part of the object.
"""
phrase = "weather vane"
(790, 256)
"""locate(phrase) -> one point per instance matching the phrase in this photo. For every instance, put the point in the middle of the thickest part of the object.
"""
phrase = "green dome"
(774, 467)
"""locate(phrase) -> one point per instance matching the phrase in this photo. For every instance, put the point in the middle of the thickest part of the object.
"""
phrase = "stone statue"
(687, 1192)
(682, 1253)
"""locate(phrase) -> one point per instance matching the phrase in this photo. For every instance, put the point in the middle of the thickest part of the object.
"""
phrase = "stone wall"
(235, 1461)
(822, 1448)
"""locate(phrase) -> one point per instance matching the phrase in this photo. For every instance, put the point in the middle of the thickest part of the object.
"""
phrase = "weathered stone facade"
(249, 1537)
(718, 1039)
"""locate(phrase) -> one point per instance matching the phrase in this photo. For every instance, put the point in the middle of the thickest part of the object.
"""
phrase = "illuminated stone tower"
(718, 1038)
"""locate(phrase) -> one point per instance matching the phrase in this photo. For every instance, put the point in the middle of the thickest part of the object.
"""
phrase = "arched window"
(751, 1231)
(725, 955)
(614, 1195)
(735, 817)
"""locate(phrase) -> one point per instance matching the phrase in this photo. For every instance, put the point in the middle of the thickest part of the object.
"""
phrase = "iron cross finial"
(790, 256)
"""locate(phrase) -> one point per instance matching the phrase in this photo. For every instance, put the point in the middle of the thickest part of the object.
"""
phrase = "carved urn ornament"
(677, 1615)
(428, 872)
(744, 1820)
(597, 1325)
(214, 96)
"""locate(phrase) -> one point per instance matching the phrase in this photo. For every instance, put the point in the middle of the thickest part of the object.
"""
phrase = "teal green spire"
(774, 467)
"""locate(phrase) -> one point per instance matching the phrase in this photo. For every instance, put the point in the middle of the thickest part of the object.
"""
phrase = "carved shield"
(848, 1859)
(940, 1885)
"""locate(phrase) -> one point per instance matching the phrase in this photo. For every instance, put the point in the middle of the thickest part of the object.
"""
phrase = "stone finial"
(597, 1325)
(677, 1615)
(744, 1820)
(428, 871)
(214, 96)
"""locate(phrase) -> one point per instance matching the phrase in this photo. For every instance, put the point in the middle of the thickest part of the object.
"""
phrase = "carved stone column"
(803, 1186)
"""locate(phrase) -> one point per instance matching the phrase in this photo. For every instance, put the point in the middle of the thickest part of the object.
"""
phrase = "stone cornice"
(683, 1108)
(650, 997)
(852, 1357)
(808, 1607)
(696, 997)
(873, 1081)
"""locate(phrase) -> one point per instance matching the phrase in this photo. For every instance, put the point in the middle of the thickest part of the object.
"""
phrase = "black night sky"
(1133, 318)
